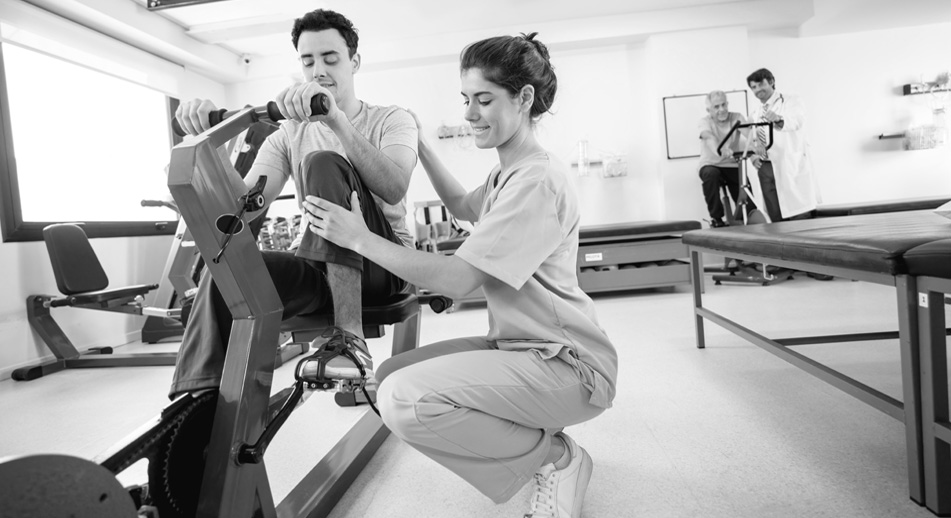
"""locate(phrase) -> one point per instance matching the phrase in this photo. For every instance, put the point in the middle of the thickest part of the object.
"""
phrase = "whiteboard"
(682, 113)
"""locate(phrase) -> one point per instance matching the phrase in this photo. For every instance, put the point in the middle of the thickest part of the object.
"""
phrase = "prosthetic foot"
(341, 363)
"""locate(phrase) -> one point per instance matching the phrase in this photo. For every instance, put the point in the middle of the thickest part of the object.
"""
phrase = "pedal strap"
(322, 356)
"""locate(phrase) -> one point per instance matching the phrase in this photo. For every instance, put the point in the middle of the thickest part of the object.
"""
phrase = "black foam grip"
(213, 118)
(319, 105)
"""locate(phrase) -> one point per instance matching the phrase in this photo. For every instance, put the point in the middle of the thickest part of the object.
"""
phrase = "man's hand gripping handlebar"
(319, 105)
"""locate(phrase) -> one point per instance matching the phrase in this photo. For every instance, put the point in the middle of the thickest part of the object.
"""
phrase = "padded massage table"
(868, 248)
(877, 207)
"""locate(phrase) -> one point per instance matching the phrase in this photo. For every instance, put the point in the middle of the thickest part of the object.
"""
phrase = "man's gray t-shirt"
(382, 126)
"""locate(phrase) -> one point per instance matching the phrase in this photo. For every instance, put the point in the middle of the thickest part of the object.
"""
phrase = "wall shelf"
(924, 88)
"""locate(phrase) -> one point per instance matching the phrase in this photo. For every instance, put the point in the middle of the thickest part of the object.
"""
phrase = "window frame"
(12, 226)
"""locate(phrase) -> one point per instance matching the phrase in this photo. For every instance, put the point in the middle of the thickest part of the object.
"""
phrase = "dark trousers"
(711, 177)
(299, 277)
(767, 181)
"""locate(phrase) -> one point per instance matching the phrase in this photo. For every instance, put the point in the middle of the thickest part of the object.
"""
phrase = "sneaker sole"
(584, 477)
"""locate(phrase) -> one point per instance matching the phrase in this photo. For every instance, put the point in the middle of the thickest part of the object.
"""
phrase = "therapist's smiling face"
(763, 90)
(492, 112)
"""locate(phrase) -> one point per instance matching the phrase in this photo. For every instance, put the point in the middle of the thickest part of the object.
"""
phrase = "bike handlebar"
(747, 125)
(319, 105)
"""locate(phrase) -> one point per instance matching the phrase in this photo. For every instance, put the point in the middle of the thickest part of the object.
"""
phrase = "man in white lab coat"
(785, 176)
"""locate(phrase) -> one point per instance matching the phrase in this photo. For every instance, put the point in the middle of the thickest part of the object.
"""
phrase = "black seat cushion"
(75, 265)
(932, 259)
(877, 207)
(872, 242)
(621, 230)
(397, 309)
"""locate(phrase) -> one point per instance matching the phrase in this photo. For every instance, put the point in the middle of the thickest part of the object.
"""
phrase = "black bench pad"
(877, 207)
(872, 242)
(620, 230)
(611, 231)
(932, 259)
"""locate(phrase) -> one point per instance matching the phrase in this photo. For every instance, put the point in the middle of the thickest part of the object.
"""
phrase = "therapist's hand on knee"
(334, 223)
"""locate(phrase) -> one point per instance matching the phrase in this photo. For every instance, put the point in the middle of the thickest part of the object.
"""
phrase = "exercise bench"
(83, 283)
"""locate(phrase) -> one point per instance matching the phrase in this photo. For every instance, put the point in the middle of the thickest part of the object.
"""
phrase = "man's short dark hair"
(323, 19)
(759, 76)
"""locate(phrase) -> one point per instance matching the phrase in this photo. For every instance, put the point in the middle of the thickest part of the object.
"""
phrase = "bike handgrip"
(213, 118)
(319, 105)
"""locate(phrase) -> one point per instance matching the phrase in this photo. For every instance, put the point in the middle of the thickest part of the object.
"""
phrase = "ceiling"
(257, 27)
(240, 40)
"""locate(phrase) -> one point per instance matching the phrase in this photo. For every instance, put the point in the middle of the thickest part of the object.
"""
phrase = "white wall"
(600, 98)
(851, 85)
(612, 96)
(684, 63)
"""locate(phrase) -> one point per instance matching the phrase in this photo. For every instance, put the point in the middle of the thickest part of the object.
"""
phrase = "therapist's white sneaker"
(559, 493)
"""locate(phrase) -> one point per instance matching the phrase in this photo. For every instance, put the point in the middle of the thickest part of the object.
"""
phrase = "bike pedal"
(348, 399)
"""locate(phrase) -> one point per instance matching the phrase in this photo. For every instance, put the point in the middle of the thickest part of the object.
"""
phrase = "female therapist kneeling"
(491, 409)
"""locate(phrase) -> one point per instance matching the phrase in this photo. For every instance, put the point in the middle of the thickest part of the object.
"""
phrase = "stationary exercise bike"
(747, 212)
(183, 266)
(206, 452)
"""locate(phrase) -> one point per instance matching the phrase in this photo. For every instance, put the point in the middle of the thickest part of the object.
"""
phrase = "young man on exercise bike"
(354, 147)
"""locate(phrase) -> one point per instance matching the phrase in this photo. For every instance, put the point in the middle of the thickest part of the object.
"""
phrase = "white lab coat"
(796, 185)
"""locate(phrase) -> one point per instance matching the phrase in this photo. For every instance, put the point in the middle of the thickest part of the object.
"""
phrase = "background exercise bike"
(747, 212)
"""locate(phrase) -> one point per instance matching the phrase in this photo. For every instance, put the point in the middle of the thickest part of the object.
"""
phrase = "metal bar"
(942, 431)
(906, 291)
(43, 323)
(854, 337)
(829, 339)
(229, 489)
(872, 397)
(207, 188)
(320, 490)
(32, 372)
(696, 282)
(835, 271)
(156, 5)
(406, 334)
(121, 360)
